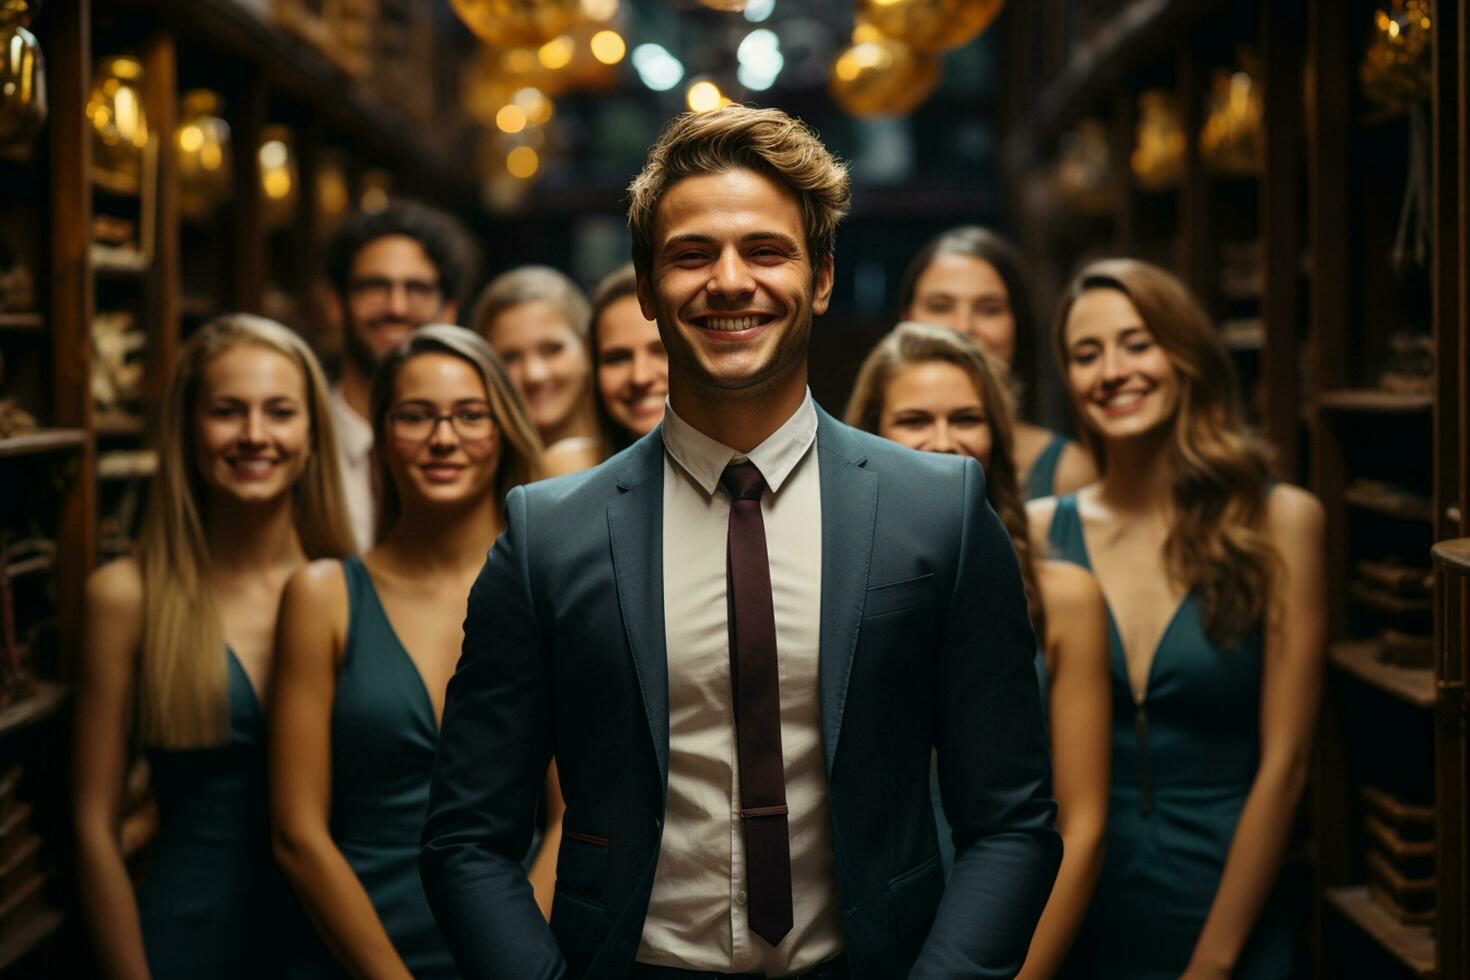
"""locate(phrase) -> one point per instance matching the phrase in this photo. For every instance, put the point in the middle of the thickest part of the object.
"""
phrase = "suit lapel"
(849, 512)
(635, 528)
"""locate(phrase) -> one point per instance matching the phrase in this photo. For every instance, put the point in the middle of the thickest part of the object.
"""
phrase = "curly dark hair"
(441, 236)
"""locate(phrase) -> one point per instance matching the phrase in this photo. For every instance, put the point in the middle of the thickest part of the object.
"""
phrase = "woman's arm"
(1079, 707)
(309, 636)
(113, 627)
(1291, 688)
(543, 868)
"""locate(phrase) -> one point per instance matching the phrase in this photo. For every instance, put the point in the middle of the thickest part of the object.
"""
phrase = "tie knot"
(743, 481)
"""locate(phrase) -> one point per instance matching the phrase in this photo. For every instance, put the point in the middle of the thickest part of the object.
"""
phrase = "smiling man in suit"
(742, 638)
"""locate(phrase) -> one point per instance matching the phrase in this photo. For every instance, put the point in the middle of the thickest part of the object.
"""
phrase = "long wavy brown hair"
(1217, 545)
(911, 343)
(183, 685)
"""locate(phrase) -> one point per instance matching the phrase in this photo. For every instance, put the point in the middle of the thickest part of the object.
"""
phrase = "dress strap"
(1065, 534)
(1041, 480)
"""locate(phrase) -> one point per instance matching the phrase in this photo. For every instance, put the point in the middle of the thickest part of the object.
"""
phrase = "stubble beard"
(788, 355)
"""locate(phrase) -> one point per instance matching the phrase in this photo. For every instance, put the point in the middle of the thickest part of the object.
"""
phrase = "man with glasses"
(391, 272)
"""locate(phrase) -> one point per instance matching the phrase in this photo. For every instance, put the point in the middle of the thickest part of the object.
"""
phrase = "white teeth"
(253, 465)
(1124, 400)
(731, 323)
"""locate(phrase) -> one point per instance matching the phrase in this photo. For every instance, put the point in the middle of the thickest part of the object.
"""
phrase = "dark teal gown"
(383, 739)
(1182, 764)
(212, 903)
(1042, 480)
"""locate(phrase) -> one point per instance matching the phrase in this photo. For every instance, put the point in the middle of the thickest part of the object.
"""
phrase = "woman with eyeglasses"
(974, 282)
(367, 646)
(179, 653)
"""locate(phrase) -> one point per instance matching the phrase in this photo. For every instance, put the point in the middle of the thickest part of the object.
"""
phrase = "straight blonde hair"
(520, 460)
(183, 689)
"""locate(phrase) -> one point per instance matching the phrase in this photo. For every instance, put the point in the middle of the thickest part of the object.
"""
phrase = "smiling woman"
(367, 647)
(179, 649)
(632, 365)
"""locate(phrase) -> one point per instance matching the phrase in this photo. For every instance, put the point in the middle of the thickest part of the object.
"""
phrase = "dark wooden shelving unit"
(43, 441)
(1391, 467)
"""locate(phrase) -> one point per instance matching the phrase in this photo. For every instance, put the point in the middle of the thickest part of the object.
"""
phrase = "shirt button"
(740, 897)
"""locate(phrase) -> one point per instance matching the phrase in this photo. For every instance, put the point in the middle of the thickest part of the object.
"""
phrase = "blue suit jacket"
(924, 643)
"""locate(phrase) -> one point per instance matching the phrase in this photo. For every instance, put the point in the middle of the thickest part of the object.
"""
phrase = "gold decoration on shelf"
(727, 6)
(518, 23)
(1396, 69)
(1084, 171)
(333, 197)
(22, 76)
(376, 188)
(879, 76)
(1233, 141)
(278, 176)
(119, 122)
(930, 26)
(202, 149)
(1160, 142)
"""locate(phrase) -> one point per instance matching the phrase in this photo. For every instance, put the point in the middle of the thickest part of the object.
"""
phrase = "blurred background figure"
(932, 389)
(632, 365)
(537, 320)
(973, 281)
(1214, 582)
(367, 645)
(180, 654)
(390, 272)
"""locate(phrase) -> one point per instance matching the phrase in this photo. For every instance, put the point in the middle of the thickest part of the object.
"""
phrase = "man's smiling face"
(731, 283)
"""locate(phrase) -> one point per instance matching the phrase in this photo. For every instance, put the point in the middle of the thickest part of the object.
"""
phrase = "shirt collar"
(705, 459)
(354, 433)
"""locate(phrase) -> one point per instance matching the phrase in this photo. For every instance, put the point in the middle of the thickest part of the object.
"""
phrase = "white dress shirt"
(355, 454)
(697, 916)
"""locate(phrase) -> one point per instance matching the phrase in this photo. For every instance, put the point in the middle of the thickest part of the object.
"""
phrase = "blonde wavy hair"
(183, 690)
(912, 343)
(531, 284)
(1217, 545)
(767, 141)
(520, 452)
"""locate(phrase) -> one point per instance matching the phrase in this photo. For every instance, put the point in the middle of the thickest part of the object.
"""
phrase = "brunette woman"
(178, 654)
(632, 366)
(537, 321)
(973, 281)
(367, 646)
(934, 390)
(1214, 582)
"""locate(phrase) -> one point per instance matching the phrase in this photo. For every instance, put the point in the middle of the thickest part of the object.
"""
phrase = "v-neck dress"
(212, 903)
(383, 738)
(1183, 761)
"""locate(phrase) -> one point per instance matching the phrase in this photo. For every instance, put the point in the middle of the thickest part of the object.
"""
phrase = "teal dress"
(1042, 480)
(1182, 763)
(383, 738)
(212, 903)
(941, 823)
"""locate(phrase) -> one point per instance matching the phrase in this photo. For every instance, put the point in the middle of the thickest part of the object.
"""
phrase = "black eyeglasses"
(422, 294)
(418, 424)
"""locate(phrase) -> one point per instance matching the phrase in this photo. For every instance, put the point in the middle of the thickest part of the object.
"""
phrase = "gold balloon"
(930, 26)
(202, 149)
(119, 123)
(518, 23)
(22, 77)
(882, 77)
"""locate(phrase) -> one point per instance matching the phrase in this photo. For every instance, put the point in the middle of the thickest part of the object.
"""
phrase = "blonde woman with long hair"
(367, 646)
(1214, 582)
(178, 655)
(935, 390)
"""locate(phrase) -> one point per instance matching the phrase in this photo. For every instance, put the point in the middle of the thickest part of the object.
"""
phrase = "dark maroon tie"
(757, 687)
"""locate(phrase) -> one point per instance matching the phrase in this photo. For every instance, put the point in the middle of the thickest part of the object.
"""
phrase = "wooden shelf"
(112, 260)
(31, 935)
(119, 424)
(1389, 501)
(1376, 400)
(22, 322)
(43, 701)
(1454, 555)
(1413, 946)
(43, 441)
(1414, 685)
(1386, 601)
(126, 464)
